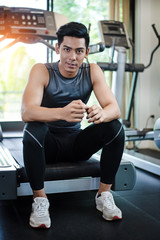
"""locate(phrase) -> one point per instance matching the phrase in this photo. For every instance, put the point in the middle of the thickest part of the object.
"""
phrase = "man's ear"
(87, 52)
(57, 48)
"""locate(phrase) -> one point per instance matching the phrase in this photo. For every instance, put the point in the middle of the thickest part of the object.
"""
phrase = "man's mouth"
(71, 65)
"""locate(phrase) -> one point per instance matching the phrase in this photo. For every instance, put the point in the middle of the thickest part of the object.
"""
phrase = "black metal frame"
(50, 7)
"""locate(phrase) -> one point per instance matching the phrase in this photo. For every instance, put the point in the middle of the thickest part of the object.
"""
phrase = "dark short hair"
(73, 29)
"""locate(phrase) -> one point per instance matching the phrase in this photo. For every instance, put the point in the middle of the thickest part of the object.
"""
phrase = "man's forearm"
(42, 114)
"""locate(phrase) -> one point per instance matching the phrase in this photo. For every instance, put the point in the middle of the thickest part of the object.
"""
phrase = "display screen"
(112, 28)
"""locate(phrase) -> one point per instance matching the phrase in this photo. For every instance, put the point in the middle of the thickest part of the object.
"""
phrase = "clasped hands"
(76, 110)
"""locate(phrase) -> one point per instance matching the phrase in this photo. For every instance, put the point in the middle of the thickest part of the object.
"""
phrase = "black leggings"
(41, 146)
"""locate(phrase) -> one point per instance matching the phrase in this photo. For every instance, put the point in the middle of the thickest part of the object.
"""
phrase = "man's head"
(73, 29)
(73, 41)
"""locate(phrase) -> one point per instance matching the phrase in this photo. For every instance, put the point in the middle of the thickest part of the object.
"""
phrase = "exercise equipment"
(29, 25)
(61, 177)
(157, 133)
(115, 36)
(145, 134)
(148, 163)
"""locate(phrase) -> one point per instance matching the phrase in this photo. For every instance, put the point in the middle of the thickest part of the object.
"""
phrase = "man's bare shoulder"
(39, 72)
(95, 68)
(39, 67)
(96, 71)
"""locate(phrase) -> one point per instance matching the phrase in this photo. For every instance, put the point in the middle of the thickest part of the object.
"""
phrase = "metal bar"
(59, 186)
(118, 77)
(3, 37)
(135, 135)
(10, 44)
(131, 97)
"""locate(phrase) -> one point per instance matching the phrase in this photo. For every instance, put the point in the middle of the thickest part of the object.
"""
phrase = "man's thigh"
(59, 147)
(92, 139)
(51, 148)
(87, 143)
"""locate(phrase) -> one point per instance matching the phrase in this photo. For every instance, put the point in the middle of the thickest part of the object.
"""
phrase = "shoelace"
(40, 207)
(109, 202)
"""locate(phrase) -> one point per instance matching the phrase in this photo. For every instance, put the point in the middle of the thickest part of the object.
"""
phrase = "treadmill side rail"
(8, 183)
(8, 175)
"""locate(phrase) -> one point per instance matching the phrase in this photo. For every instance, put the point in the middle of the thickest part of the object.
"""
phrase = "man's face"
(72, 53)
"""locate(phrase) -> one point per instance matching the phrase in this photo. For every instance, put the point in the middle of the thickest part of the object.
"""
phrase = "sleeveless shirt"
(60, 91)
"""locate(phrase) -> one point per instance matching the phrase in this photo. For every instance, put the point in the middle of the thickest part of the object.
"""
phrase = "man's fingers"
(80, 104)
(93, 111)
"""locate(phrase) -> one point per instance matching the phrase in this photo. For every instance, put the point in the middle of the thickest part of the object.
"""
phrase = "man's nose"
(72, 55)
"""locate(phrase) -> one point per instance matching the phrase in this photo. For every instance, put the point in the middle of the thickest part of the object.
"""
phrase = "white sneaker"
(39, 217)
(105, 204)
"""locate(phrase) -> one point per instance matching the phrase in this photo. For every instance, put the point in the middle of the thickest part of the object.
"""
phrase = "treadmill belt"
(4, 162)
(14, 145)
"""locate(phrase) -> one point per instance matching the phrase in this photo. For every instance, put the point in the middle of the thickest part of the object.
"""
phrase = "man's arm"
(32, 97)
(109, 109)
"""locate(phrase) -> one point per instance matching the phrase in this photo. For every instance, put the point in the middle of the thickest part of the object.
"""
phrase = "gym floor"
(74, 215)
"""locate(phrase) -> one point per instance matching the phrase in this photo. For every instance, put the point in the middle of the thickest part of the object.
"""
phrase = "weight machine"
(115, 36)
(31, 26)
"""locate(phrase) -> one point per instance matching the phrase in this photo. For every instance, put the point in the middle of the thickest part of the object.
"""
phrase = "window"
(15, 64)
(86, 12)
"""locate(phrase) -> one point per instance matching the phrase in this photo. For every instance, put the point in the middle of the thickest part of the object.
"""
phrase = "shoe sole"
(115, 218)
(108, 219)
(42, 226)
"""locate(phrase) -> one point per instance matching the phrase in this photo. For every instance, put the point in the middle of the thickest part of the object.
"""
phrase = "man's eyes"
(66, 49)
(78, 51)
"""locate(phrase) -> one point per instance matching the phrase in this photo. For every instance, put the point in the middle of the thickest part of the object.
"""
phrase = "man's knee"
(34, 133)
(117, 132)
(114, 127)
(112, 131)
(117, 126)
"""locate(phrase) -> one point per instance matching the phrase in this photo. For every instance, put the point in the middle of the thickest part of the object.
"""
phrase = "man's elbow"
(25, 115)
(118, 113)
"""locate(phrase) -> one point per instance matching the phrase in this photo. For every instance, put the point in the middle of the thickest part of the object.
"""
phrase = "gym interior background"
(15, 64)
(132, 13)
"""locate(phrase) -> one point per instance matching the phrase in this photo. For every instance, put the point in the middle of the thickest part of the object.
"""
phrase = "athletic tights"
(41, 145)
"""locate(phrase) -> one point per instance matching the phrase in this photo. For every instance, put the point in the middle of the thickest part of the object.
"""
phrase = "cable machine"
(115, 36)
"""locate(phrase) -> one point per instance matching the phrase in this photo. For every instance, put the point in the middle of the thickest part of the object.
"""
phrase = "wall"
(148, 89)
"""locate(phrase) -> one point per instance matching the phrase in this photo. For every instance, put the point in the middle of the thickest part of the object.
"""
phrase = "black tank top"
(61, 91)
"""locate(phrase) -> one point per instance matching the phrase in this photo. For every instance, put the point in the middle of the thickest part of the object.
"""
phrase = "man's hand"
(95, 114)
(74, 111)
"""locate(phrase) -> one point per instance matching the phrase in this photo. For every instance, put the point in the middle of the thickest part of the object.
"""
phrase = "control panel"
(28, 21)
(113, 33)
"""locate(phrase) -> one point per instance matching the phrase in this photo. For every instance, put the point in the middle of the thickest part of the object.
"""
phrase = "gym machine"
(115, 36)
(32, 26)
(29, 25)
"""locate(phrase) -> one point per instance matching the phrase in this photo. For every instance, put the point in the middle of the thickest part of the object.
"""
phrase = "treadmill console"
(17, 22)
(113, 33)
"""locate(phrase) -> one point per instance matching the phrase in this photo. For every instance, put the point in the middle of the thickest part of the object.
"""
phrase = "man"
(53, 106)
